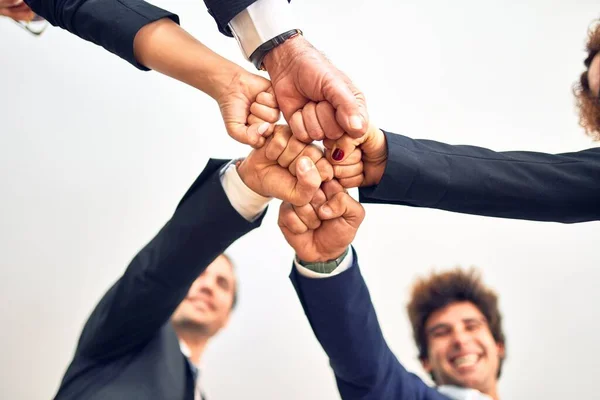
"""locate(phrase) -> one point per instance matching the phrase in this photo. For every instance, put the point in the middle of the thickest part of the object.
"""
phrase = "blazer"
(342, 317)
(113, 24)
(473, 180)
(128, 349)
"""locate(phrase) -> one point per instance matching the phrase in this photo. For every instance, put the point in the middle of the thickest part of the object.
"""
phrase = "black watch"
(261, 51)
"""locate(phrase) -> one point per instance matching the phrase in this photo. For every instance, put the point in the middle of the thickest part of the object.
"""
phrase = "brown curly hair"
(438, 290)
(588, 103)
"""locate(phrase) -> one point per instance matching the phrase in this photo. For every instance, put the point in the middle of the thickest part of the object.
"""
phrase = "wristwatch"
(261, 51)
(325, 267)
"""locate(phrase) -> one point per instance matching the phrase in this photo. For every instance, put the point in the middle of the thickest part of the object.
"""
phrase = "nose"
(206, 286)
(461, 337)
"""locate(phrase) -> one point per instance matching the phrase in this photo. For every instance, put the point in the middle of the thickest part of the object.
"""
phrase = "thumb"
(342, 205)
(350, 105)
(252, 135)
(353, 116)
(308, 182)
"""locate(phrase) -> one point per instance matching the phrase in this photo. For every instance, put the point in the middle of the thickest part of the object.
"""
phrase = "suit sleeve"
(159, 276)
(473, 180)
(343, 319)
(223, 11)
(111, 24)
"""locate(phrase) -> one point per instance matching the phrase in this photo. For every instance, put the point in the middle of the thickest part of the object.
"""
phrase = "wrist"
(306, 259)
(281, 55)
(248, 177)
(375, 156)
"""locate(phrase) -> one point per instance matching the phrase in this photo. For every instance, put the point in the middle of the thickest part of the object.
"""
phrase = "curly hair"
(588, 103)
(439, 290)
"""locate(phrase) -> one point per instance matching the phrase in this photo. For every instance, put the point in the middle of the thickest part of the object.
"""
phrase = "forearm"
(159, 276)
(166, 48)
(107, 23)
(474, 180)
(343, 319)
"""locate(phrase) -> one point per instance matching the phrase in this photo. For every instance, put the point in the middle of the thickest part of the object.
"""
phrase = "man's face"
(461, 348)
(208, 303)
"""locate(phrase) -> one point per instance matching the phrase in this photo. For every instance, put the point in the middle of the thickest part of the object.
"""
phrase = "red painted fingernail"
(337, 155)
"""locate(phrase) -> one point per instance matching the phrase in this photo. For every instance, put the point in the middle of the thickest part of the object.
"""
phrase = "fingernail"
(304, 165)
(337, 155)
(263, 128)
(326, 210)
(356, 122)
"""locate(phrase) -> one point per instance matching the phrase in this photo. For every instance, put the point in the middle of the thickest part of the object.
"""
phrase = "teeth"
(466, 361)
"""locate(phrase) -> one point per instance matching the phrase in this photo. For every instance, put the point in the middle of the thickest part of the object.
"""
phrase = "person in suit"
(565, 188)
(146, 336)
(455, 317)
(149, 37)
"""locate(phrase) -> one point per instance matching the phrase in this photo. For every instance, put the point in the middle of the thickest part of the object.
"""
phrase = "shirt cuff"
(260, 22)
(244, 200)
(344, 265)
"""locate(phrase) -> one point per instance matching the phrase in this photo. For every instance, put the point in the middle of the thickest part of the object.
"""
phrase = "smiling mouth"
(466, 361)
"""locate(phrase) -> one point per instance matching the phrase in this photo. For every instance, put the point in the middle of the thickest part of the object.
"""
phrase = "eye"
(473, 325)
(223, 283)
(439, 332)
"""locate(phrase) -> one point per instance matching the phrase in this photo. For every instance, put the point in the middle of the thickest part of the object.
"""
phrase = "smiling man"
(458, 329)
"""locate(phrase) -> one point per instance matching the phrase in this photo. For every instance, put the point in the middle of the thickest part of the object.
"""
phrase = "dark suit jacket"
(343, 319)
(128, 349)
(473, 180)
(113, 24)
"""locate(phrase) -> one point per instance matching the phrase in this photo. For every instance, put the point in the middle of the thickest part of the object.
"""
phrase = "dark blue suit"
(473, 180)
(128, 349)
(113, 24)
(343, 319)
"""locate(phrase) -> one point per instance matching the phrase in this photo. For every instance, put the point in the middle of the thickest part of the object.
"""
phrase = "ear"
(501, 350)
(426, 365)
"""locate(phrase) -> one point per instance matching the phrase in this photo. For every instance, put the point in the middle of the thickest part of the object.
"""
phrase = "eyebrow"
(464, 320)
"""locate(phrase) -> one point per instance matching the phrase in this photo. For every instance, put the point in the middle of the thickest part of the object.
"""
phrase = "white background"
(94, 156)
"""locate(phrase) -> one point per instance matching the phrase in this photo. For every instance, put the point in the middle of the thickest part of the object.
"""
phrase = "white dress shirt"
(260, 22)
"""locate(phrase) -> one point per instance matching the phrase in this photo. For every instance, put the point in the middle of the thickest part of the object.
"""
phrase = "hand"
(249, 109)
(16, 9)
(299, 73)
(350, 173)
(165, 47)
(286, 168)
(322, 230)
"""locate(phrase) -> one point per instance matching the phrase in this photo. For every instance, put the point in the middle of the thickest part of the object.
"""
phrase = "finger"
(349, 103)
(332, 188)
(278, 142)
(297, 125)
(311, 122)
(267, 98)
(292, 151)
(327, 121)
(21, 12)
(318, 199)
(355, 181)
(254, 134)
(312, 151)
(288, 219)
(348, 171)
(308, 216)
(265, 113)
(252, 119)
(341, 148)
(343, 205)
(307, 184)
(325, 169)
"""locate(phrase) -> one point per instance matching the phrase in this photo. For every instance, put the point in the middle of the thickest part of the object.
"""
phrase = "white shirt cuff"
(246, 202)
(261, 22)
(344, 265)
